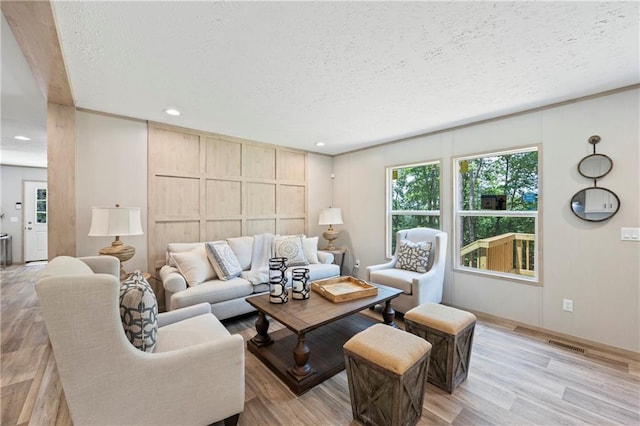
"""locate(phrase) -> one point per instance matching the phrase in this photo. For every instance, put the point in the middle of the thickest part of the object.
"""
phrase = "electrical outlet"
(357, 264)
(567, 305)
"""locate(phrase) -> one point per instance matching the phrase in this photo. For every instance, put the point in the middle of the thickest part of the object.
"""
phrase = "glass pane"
(399, 222)
(41, 194)
(501, 182)
(416, 188)
(41, 206)
(41, 217)
(501, 244)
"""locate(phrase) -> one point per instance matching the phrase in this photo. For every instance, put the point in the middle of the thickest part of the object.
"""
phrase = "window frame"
(389, 202)
(458, 214)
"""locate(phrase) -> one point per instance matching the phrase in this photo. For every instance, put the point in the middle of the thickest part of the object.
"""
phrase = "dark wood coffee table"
(309, 350)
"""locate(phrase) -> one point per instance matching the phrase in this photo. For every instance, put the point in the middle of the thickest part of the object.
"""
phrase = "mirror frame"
(591, 156)
(595, 220)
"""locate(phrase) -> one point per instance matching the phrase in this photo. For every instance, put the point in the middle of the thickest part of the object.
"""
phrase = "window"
(496, 215)
(413, 199)
(41, 206)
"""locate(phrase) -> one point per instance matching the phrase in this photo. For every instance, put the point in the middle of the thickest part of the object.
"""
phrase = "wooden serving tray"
(341, 289)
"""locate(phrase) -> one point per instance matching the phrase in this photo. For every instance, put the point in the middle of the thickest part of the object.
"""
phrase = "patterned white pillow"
(223, 259)
(290, 246)
(139, 312)
(413, 256)
(194, 265)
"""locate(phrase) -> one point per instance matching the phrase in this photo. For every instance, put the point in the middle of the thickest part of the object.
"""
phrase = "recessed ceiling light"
(172, 111)
(22, 138)
(319, 143)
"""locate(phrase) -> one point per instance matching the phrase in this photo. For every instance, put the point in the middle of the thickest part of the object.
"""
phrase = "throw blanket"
(259, 272)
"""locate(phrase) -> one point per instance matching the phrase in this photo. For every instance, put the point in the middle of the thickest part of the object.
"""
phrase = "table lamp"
(116, 221)
(331, 216)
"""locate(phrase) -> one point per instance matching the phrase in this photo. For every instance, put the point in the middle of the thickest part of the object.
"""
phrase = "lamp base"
(330, 235)
(122, 252)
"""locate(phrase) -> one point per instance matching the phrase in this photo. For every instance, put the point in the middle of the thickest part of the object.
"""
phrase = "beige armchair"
(195, 376)
(418, 288)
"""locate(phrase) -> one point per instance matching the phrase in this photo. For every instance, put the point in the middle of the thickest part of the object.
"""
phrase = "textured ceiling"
(349, 74)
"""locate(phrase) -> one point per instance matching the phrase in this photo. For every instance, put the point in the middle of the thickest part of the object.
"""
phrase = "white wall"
(319, 187)
(111, 167)
(582, 261)
(12, 191)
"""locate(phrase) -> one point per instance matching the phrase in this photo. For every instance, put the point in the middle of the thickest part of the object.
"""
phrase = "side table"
(342, 251)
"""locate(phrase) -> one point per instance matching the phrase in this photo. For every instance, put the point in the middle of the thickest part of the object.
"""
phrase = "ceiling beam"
(34, 28)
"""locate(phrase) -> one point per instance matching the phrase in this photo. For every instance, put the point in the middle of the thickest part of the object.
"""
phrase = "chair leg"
(232, 420)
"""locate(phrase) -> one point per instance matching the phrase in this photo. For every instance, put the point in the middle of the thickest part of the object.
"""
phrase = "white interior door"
(35, 217)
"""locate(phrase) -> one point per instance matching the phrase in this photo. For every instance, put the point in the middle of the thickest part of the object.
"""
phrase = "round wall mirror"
(595, 166)
(595, 204)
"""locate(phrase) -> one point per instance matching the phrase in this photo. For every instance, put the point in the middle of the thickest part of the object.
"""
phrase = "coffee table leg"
(262, 327)
(389, 315)
(301, 355)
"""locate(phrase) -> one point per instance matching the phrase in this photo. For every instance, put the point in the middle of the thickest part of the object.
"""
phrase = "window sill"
(534, 281)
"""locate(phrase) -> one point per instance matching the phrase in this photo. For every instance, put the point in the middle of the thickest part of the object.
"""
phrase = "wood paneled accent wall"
(207, 187)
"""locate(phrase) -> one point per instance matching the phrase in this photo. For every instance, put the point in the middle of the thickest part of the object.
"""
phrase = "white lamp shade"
(115, 221)
(330, 216)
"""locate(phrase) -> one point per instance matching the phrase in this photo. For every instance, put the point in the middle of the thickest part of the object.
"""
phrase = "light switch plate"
(630, 234)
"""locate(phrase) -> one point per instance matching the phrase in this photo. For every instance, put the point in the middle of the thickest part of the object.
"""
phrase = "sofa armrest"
(389, 265)
(325, 257)
(172, 279)
(177, 315)
(103, 264)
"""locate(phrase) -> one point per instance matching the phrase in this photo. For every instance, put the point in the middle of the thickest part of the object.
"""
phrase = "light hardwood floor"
(516, 378)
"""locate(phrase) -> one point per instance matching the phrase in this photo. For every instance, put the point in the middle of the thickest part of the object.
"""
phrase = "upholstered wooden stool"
(450, 331)
(386, 370)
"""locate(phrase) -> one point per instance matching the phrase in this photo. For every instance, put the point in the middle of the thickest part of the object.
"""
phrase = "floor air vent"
(566, 346)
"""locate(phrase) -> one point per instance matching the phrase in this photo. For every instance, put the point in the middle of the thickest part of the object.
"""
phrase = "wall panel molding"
(205, 187)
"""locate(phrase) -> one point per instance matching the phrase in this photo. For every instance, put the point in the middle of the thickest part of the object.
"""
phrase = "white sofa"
(227, 298)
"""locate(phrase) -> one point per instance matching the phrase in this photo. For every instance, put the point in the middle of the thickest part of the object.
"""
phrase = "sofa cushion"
(139, 312)
(321, 271)
(194, 265)
(66, 265)
(310, 247)
(290, 246)
(242, 247)
(214, 291)
(223, 259)
(413, 256)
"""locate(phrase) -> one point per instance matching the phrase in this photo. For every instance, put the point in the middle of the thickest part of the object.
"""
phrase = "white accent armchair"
(195, 375)
(418, 288)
